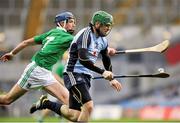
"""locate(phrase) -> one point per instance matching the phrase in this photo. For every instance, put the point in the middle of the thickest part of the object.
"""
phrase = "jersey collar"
(61, 28)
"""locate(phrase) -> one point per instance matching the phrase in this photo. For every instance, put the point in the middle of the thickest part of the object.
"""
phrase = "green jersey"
(54, 44)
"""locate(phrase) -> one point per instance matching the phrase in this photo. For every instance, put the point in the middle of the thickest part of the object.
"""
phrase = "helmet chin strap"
(69, 31)
(59, 24)
(63, 25)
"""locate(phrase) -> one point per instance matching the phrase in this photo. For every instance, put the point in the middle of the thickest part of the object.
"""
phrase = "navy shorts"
(78, 85)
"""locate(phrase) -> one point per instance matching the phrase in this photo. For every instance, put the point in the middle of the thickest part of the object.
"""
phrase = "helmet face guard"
(100, 33)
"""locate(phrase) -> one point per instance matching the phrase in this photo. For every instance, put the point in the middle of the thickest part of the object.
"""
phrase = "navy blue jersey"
(85, 39)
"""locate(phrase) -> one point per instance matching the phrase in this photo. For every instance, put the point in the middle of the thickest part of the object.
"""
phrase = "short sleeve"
(39, 38)
(105, 43)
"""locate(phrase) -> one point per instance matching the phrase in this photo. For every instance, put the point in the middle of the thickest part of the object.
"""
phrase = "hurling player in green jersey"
(38, 73)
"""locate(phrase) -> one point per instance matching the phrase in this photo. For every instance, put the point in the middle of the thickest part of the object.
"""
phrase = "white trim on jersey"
(72, 79)
(85, 38)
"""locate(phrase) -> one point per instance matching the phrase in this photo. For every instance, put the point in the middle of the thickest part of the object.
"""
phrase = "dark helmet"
(64, 16)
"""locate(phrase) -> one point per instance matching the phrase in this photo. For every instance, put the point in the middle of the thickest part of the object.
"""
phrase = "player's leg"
(86, 111)
(62, 94)
(60, 109)
(69, 114)
(82, 96)
(12, 95)
(59, 79)
(59, 91)
(55, 89)
(20, 88)
(46, 112)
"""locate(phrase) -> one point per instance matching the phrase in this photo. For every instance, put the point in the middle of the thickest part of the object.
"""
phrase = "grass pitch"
(59, 120)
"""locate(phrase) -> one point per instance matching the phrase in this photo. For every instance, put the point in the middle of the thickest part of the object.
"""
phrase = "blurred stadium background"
(138, 23)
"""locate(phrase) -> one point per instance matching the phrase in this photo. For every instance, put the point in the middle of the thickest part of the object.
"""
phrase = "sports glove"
(108, 75)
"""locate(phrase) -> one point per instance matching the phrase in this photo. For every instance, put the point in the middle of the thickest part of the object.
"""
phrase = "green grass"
(27, 119)
(55, 119)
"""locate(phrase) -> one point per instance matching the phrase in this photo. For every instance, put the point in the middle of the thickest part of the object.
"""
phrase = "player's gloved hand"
(115, 84)
(6, 57)
(108, 75)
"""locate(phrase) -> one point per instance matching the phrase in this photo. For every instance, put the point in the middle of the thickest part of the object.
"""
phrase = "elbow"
(84, 63)
(25, 43)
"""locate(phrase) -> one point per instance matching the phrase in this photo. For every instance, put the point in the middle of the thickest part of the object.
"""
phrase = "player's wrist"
(112, 79)
(102, 71)
(11, 53)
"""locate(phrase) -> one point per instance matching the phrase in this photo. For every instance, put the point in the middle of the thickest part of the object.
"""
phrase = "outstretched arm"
(19, 47)
(107, 65)
(85, 61)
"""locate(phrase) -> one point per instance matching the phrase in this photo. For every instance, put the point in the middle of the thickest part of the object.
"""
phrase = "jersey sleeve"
(39, 38)
(105, 44)
(84, 40)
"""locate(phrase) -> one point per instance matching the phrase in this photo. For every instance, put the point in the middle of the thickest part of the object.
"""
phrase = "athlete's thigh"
(15, 92)
(59, 91)
(79, 95)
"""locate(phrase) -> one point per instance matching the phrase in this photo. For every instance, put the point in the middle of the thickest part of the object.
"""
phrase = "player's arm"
(18, 48)
(86, 62)
(23, 45)
(108, 66)
(106, 59)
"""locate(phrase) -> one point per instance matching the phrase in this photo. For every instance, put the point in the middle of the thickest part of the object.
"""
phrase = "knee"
(88, 107)
(74, 116)
(70, 114)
